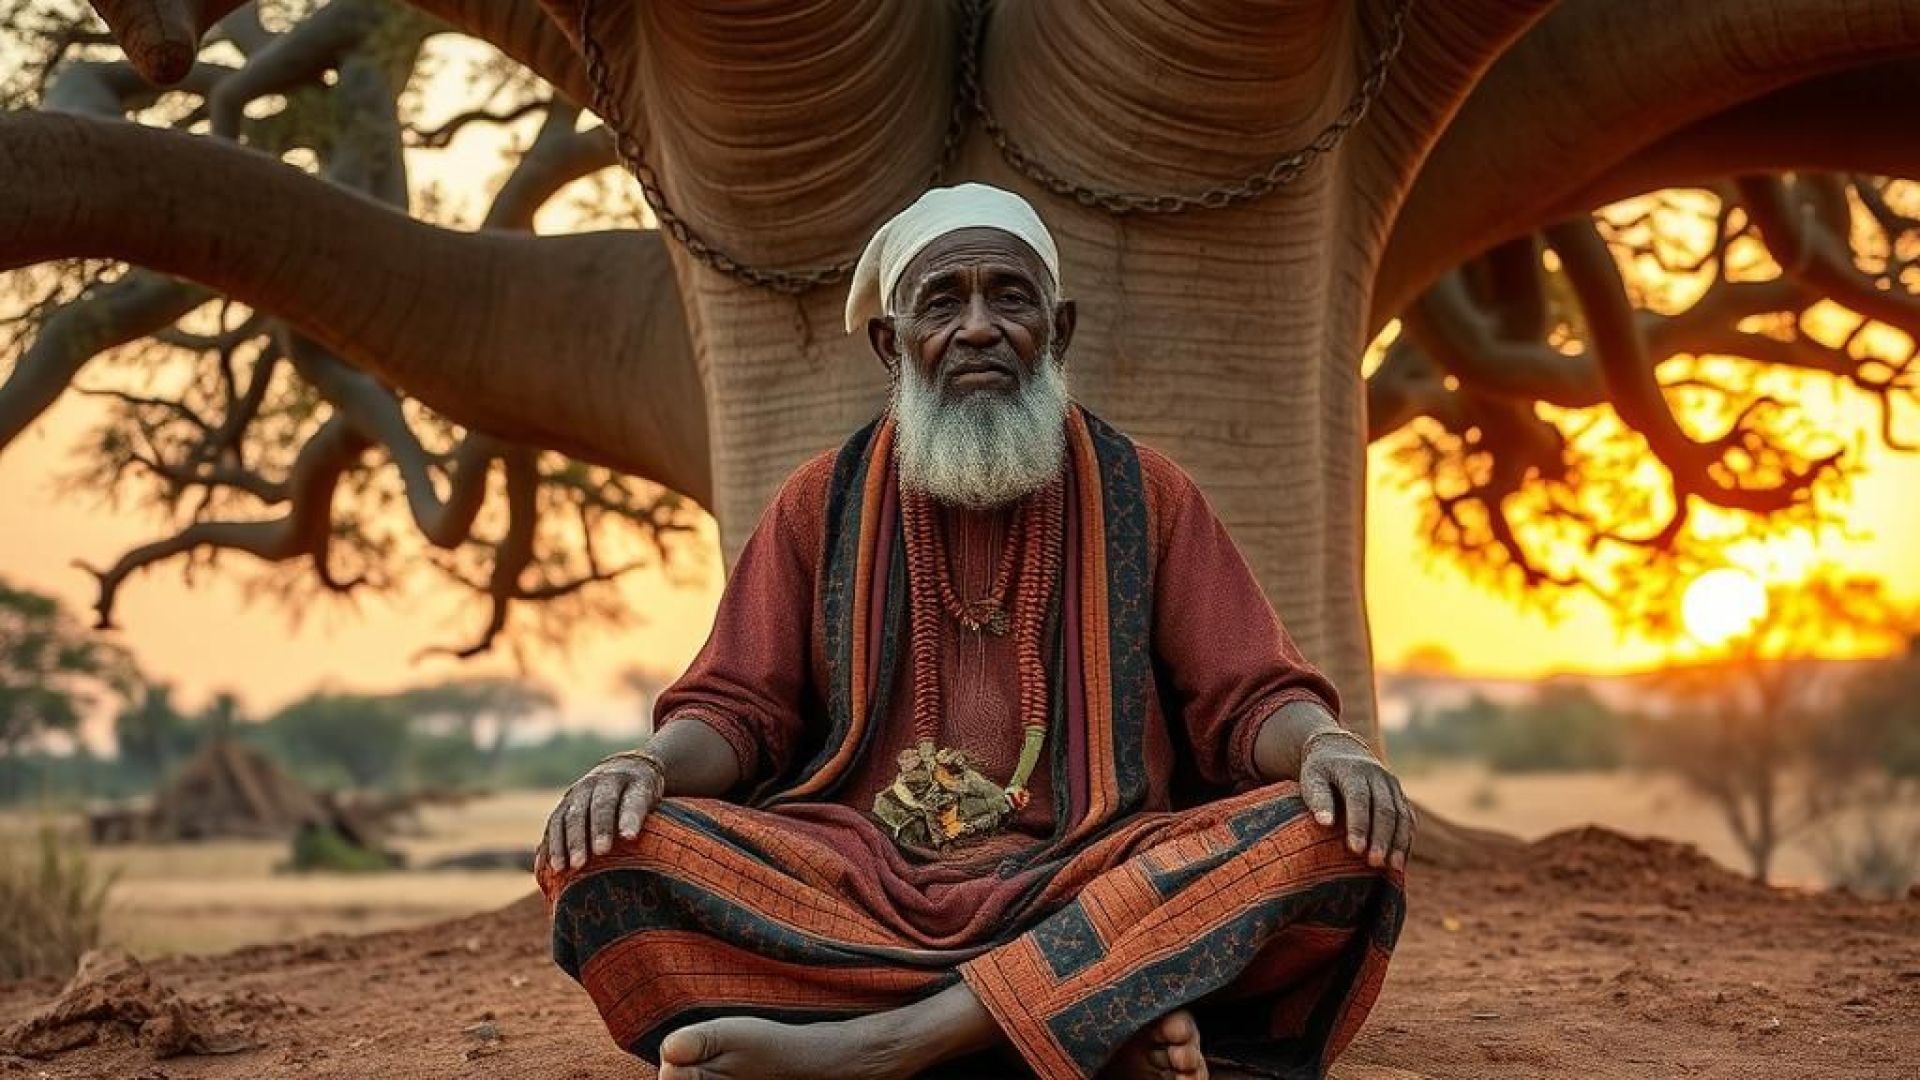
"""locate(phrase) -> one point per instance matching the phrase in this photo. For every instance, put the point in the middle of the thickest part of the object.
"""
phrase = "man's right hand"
(615, 794)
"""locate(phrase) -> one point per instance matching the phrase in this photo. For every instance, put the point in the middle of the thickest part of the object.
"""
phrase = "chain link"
(1284, 171)
(970, 98)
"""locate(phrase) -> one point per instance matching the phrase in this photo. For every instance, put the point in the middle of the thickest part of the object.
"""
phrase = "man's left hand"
(1337, 775)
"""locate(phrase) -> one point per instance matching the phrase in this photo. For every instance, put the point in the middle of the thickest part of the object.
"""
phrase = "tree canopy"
(52, 671)
(245, 438)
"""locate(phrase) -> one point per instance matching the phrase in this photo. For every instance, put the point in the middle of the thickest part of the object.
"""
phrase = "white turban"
(939, 212)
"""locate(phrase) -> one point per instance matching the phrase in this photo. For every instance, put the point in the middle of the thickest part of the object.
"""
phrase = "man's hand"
(1380, 821)
(617, 793)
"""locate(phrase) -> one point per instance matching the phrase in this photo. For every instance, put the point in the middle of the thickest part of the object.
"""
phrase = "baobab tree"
(1246, 193)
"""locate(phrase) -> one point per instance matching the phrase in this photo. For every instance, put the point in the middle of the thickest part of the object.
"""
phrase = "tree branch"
(138, 304)
(438, 138)
(1619, 349)
(113, 89)
(305, 530)
(1578, 94)
(1406, 386)
(376, 416)
(1848, 121)
(512, 555)
(469, 323)
(1448, 49)
(1465, 340)
(296, 58)
(244, 29)
(559, 156)
(1807, 226)
(527, 34)
(161, 37)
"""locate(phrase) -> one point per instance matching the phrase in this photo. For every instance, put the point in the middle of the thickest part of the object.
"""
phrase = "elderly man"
(995, 745)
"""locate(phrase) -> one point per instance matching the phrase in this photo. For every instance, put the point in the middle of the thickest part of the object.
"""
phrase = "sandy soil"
(1585, 954)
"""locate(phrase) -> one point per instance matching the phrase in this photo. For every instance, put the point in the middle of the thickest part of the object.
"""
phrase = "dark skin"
(976, 313)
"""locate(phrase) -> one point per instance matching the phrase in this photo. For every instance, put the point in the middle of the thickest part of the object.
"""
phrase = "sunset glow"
(1723, 604)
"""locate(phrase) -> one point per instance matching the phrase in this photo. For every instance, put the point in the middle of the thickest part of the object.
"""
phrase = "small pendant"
(940, 799)
(987, 615)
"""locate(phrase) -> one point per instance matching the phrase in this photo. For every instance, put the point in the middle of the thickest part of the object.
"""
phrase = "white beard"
(987, 449)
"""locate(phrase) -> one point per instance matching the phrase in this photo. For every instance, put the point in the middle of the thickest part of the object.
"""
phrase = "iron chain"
(970, 99)
(1285, 170)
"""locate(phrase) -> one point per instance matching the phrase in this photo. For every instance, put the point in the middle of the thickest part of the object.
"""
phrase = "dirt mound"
(114, 999)
(1641, 866)
(1588, 954)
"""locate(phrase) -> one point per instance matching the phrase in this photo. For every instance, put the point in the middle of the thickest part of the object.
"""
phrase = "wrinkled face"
(979, 398)
(976, 314)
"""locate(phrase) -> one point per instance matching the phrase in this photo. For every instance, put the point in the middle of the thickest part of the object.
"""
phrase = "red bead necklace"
(940, 797)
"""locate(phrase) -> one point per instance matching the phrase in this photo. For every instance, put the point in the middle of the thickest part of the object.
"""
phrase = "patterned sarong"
(1245, 909)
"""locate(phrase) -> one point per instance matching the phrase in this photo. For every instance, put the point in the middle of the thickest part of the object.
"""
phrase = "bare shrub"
(52, 900)
(1875, 851)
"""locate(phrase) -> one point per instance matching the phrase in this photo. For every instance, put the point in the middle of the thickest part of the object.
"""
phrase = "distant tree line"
(1560, 727)
(329, 740)
(1785, 748)
(453, 734)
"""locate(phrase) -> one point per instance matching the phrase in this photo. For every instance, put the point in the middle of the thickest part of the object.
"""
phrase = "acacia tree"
(52, 673)
(496, 703)
(1762, 730)
(1244, 195)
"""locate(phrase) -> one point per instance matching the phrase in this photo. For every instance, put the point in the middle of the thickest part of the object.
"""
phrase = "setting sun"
(1723, 603)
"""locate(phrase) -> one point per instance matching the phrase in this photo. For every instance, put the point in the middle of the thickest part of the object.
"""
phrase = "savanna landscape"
(387, 387)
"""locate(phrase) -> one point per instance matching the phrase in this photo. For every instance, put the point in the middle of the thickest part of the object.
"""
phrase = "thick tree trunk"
(1229, 339)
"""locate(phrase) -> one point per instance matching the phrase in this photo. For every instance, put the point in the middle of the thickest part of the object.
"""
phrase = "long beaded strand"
(1034, 549)
(989, 613)
(1030, 609)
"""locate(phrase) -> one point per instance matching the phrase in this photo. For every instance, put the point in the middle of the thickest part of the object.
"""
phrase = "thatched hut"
(230, 789)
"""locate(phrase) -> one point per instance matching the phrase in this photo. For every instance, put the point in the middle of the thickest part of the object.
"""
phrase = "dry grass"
(52, 905)
(197, 898)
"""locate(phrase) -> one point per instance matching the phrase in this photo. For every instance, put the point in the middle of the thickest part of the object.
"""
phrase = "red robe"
(1222, 657)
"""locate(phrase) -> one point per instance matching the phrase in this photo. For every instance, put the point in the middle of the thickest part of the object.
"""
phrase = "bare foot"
(743, 1048)
(1167, 1049)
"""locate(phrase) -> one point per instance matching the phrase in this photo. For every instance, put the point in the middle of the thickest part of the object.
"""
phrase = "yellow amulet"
(940, 799)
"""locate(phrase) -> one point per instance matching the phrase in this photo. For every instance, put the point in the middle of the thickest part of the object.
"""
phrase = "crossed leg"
(898, 1043)
(1249, 909)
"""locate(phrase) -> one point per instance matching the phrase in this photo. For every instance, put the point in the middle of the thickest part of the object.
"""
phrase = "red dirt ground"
(1587, 954)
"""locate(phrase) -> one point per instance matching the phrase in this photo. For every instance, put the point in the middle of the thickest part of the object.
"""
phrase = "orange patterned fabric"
(1245, 910)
